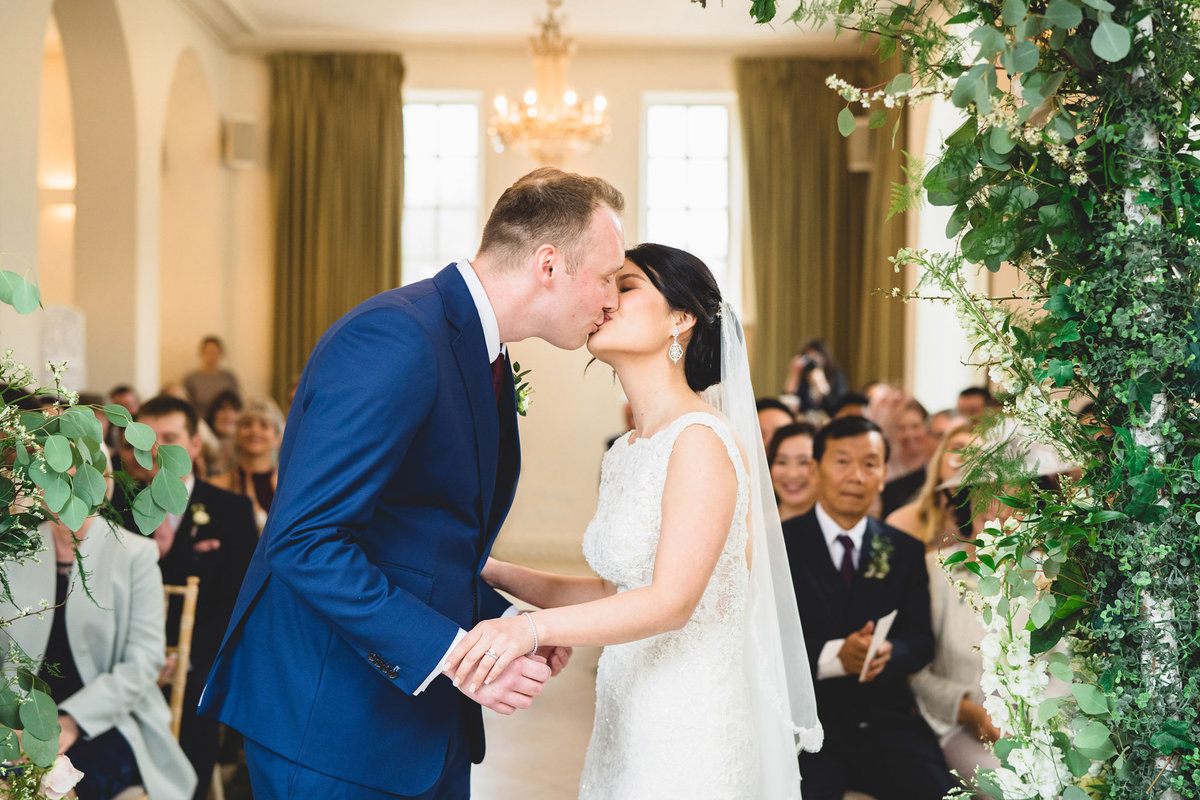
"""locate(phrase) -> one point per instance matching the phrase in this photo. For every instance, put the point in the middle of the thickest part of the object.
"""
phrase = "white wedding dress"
(673, 712)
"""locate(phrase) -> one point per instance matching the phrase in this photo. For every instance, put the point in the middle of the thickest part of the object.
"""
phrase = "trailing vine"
(1076, 167)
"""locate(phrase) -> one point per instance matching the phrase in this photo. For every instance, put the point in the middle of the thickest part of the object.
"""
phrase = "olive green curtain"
(337, 166)
(820, 245)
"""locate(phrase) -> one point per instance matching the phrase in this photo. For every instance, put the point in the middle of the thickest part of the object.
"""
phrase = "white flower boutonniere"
(881, 558)
(523, 389)
(200, 515)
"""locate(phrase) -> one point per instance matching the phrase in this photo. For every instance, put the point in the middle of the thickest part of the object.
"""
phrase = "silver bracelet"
(533, 628)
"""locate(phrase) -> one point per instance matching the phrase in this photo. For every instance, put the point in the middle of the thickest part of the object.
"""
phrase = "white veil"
(779, 678)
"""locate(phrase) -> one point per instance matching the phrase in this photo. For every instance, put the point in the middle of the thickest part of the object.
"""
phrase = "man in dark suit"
(849, 570)
(213, 539)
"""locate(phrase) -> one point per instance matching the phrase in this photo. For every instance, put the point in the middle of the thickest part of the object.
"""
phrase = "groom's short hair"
(547, 206)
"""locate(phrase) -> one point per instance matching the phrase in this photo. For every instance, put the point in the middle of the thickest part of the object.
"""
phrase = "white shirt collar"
(487, 315)
(832, 530)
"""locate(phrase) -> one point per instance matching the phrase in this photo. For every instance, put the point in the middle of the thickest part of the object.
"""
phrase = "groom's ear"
(547, 262)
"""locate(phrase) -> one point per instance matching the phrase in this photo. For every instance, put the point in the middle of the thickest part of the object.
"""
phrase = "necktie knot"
(847, 568)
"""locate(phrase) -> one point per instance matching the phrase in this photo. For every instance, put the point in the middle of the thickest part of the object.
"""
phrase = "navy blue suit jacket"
(396, 470)
(828, 610)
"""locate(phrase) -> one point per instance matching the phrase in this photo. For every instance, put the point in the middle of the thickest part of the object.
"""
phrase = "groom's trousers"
(273, 777)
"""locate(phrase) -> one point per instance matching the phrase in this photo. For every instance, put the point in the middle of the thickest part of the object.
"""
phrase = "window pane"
(667, 226)
(420, 129)
(708, 131)
(455, 233)
(417, 232)
(708, 234)
(458, 181)
(707, 183)
(420, 181)
(666, 183)
(666, 131)
(458, 130)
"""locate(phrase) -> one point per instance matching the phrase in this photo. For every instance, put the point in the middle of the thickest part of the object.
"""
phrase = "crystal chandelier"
(550, 122)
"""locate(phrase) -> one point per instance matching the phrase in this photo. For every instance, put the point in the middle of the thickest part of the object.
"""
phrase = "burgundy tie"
(847, 559)
(498, 370)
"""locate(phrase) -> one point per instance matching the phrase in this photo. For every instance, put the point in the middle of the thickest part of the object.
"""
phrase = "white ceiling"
(274, 24)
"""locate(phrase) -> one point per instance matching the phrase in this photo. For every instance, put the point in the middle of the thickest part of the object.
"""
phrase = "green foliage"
(1077, 166)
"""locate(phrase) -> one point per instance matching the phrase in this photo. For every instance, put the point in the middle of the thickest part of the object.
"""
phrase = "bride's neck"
(657, 393)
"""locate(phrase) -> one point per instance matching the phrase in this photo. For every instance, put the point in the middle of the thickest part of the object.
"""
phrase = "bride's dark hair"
(687, 285)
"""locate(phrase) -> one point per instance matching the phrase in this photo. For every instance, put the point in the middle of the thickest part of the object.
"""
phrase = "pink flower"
(61, 779)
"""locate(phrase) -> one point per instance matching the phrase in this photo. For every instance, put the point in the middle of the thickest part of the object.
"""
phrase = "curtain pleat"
(337, 164)
(819, 241)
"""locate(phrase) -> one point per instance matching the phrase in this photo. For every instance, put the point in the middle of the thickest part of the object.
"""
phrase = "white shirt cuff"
(828, 663)
(511, 611)
(438, 669)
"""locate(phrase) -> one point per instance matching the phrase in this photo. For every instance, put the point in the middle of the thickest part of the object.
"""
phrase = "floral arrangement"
(56, 465)
(524, 389)
(1076, 166)
(881, 558)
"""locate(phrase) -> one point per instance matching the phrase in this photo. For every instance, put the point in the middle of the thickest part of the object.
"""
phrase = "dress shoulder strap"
(718, 426)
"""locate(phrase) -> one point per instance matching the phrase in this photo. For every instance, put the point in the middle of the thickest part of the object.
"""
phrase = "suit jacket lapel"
(470, 352)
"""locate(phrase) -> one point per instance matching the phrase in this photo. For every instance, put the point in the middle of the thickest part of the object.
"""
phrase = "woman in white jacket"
(109, 651)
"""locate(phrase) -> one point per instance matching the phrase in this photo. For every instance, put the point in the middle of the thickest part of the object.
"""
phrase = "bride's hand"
(484, 653)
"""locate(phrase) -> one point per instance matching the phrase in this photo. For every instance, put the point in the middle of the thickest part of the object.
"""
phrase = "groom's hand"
(517, 685)
(557, 657)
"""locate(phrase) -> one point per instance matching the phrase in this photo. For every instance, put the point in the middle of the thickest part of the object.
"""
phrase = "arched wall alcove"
(191, 254)
(106, 141)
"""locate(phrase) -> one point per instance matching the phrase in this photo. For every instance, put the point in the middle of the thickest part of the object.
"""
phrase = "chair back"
(183, 647)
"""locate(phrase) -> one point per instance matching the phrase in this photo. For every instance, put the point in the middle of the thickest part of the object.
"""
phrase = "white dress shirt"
(491, 338)
(828, 663)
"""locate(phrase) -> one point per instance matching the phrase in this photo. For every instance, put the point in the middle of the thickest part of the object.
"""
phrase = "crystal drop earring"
(675, 352)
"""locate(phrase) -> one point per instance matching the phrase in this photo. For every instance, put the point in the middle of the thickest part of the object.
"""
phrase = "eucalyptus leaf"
(74, 513)
(1100, 5)
(57, 452)
(1075, 793)
(1078, 763)
(8, 281)
(1021, 57)
(1047, 710)
(39, 716)
(878, 119)
(89, 485)
(25, 296)
(56, 493)
(991, 41)
(41, 752)
(169, 492)
(1111, 41)
(845, 121)
(1091, 700)
(1013, 12)
(174, 459)
(1001, 141)
(989, 586)
(147, 514)
(1040, 614)
(118, 415)
(139, 435)
(1095, 742)
(144, 458)
(10, 716)
(1062, 14)
(901, 83)
(10, 748)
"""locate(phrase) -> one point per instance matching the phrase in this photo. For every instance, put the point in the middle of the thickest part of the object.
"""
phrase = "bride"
(703, 688)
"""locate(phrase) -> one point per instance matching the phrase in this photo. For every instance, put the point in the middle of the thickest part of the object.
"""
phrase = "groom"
(397, 468)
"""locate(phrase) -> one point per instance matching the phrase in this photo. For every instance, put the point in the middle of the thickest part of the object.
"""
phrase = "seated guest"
(939, 423)
(938, 516)
(974, 402)
(848, 571)
(790, 458)
(100, 655)
(910, 452)
(772, 415)
(851, 404)
(256, 446)
(213, 539)
(947, 689)
(222, 421)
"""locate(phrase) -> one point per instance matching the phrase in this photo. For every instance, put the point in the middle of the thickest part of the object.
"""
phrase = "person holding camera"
(815, 379)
